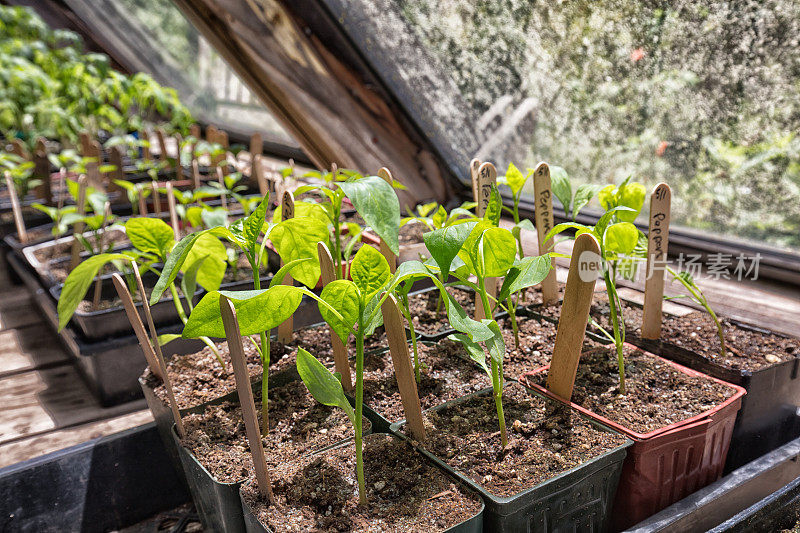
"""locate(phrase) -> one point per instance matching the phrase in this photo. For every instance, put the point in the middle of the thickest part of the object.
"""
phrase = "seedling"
(696, 295)
(572, 202)
(435, 216)
(622, 246)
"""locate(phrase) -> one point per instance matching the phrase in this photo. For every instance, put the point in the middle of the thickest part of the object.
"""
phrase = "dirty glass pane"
(703, 95)
(206, 84)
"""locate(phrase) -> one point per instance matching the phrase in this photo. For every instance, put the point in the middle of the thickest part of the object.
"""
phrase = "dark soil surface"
(412, 232)
(657, 394)
(544, 440)
(423, 310)
(63, 249)
(298, 425)
(198, 378)
(536, 339)
(446, 376)
(405, 494)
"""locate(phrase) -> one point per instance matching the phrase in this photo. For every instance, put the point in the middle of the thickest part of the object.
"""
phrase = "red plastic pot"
(667, 464)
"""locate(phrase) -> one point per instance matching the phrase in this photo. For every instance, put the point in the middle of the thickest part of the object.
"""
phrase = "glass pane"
(206, 84)
(702, 95)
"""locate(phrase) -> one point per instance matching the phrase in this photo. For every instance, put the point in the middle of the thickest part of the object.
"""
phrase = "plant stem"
(265, 355)
(700, 298)
(512, 314)
(407, 314)
(182, 315)
(615, 324)
(362, 496)
(497, 373)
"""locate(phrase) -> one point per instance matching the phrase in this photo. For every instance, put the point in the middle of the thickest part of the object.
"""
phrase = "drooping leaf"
(525, 273)
(211, 272)
(150, 235)
(369, 271)
(584, 195)
(444, 244)
(189, 280)
(297, 238)
(173, 264)
(377, 203)
(342, 295)
(496, 345)
(78, 282)
(324, 386)
(474, 350)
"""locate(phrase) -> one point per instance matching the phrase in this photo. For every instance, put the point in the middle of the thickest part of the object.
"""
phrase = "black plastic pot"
(448, 331)
(471, 525)
(767, 418)
(218, 504)
(579, 499)
(761, 496)
(113, 322)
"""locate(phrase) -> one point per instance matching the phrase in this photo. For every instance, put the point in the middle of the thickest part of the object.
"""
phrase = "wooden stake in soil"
(246, 400)
(173, 211)
(403, 370)
(583, 271)
(144, 136)
(162, 146)
(18, 149)
(19, 222)
(156, 363)
(657, 243)
(156, 198)
(194, 131)
(41, 170)
(196, 174)
(115, 159)
(77, 228)
(256, 146)
(487, 176)
(223, 196)
(142, 200)
(86, 143)
(257, 171)
(286, 329)
(340, 359)
(543, 214)
(387, 253)
(474, 165)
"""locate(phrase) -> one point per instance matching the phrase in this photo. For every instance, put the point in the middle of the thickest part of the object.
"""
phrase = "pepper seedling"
(622, 247)
(696, 295)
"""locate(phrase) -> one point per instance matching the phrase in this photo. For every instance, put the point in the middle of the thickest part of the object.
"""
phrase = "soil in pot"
(404, 492)
(412, 232)
(447, 375)
(657, 394)
(198, 378)
(544, 440)
(63, 249)
(423, 310)
(536, 341)
(299, 425)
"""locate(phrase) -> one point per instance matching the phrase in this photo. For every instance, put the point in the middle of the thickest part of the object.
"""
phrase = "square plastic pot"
(669, 463)
(473, 524)
(767, 418)
(113, 321)
(218, 504)
(579, 499)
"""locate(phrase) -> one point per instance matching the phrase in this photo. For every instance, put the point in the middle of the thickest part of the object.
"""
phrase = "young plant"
(696, 294)
(435, 216)
(622, 247)
(62, 217)
(562, 189)
(21, 172)
(516, 182)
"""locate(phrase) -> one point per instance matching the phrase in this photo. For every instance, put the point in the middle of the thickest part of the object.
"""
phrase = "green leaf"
(150, 235)
(279, 276)
(458, 318)
(324, 386)
(497, 250)
(621, 237)
(254, 223)
(561, 186)
(495, 208)
(496, 345)
(469, 250)
(213, 269)
(474, 350)
(631, 195)
(439, 218)
(78, 282)
(189, 280)
(167, 338)
(369, 271)
(525, 273)
(558, 228)
(173, 265)
(194, 215)
(258, 311)
(342, 295)
(377, 203)
(515, 179)
(525, 224)
(297, 238)
(214, 217)
(444, 244)
(584, 195)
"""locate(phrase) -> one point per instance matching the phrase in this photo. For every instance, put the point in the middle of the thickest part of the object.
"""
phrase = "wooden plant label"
(156, 363)
(387, 253)
(173, 211)
(144, 136)
(657, 243)
(19, 222)
(223, 196)
(195, 173)
(246, 399)
(487, 176)
(340, 359)
(194, 131)
(256, 145)
(543, 214)
(115, 159)
(86, 144)
(156, 198)
(286, 329)
(162, 146)
(178, 139)
(257, 172)
(41, 170)
(583, 271)
(474, 165)
(403, 371)
(142, 200)
(77, 228)
(18, 149)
